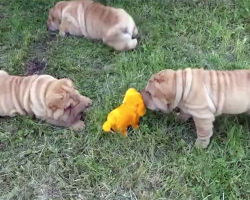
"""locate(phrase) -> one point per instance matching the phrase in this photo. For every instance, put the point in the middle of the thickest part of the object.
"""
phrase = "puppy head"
(62, 94)
(55, 16)
(52, 22)
(160, 91)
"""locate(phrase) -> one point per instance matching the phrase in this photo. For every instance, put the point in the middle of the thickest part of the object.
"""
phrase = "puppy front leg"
(87, 101)
(58, 122)
(77, 126)
(63, 27)
(204, 129)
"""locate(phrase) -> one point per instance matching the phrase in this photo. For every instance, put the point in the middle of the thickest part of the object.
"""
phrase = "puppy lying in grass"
(54, 100)
(201, 94)
(114, 26)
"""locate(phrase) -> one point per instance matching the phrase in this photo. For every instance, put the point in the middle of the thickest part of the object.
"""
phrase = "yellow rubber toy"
(128, 114)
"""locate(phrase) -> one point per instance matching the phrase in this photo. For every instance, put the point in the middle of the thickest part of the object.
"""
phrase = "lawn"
(157, 162)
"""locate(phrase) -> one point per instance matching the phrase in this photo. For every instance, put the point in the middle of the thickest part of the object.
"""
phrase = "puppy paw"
(62, 33)
(88, 102)
(78, 126)
(132, 44)
(202, 143)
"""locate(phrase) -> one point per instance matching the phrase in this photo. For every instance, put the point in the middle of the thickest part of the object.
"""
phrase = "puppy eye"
(125, 31)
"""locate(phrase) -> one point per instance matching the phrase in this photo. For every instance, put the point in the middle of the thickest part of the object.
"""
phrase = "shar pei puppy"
(201, 94)
(55, 101)
(114, 26)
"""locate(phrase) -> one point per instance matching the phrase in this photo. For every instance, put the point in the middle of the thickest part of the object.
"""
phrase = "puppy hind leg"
(119, 40)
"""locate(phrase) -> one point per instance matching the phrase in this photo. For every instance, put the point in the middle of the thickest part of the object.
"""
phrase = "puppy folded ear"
(62, 94)
(162, 86)
(56, 102)
(154, 88)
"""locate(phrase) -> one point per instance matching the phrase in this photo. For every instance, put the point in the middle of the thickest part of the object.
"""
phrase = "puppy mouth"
(145, 96)
(88, 106)
(134, 36)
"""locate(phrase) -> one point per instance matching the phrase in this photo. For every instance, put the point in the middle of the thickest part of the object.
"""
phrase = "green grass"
(42, 162)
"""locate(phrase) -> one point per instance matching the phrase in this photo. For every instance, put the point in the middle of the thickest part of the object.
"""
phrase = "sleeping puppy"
(201, 94)
(54, 100)
(114, 26)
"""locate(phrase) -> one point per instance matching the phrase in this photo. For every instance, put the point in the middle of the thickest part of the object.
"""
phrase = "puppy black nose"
(134, 36)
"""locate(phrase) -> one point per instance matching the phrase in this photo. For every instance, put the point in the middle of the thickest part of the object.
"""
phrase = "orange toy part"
(128, 114)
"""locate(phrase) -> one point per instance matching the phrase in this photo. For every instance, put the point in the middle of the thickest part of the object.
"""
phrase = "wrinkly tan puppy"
(92, 20)
(201, 94)
(54, 100)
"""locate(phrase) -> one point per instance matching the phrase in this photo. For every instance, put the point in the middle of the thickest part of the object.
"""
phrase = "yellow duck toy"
(128, 114)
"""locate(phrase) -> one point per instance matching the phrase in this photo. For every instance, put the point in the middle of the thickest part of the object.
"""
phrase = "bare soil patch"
(35, 66)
